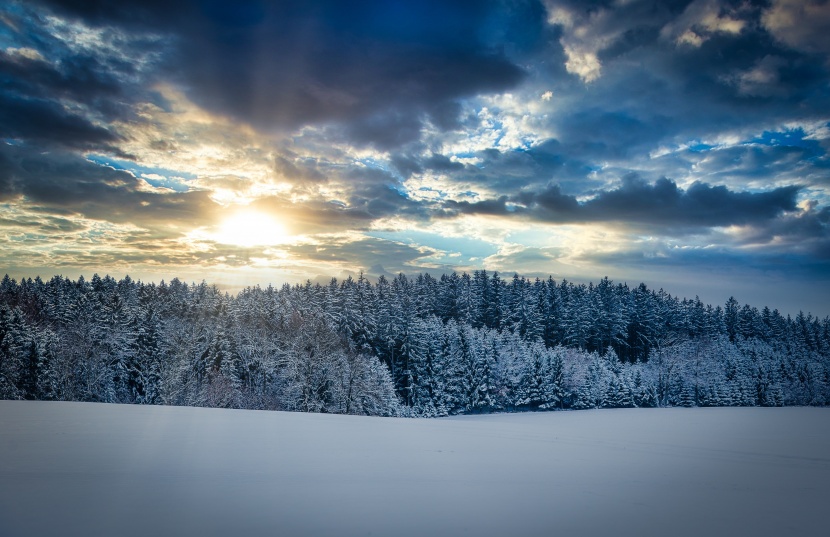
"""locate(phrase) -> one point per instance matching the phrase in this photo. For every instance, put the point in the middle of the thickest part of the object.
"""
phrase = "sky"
(681, 144)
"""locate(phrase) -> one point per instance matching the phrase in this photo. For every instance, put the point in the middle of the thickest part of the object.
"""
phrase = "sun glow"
(251, 229)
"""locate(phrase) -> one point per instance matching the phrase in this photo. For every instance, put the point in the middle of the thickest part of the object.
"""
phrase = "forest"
(403, 346)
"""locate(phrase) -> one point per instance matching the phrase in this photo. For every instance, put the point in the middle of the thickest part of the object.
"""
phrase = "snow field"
(100, 469)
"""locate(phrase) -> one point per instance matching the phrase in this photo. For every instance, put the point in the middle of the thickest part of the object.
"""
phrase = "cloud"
(46, 122)
(806, 232)
(736, 78)
(539, 262)
(700, 20)
(785, 159)
(46, 103)
(551, 201)
(69, 182)
(297, 170)
(385, 130)
(663, 207)
(361, 252)
(82, 79)
(352, 199)
(701, 205)
(762, 79)
(492, 207)
(377, 68)
(800, 24)
(129, 126)
(585, 32)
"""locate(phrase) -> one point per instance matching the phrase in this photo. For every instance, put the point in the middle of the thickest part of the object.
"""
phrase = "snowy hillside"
(105, 470)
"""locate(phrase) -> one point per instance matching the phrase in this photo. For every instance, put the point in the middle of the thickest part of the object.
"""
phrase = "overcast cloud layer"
(683, 144)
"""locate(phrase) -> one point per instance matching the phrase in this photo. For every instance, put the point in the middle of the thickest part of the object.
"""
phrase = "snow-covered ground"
(111, 470)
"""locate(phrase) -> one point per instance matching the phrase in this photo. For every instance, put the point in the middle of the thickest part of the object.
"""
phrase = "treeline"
(406, 346)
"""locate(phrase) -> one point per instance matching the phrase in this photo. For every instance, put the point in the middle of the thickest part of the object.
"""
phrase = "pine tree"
(480, 295)
(427, 382)
(28, 383)
(644, 394)
(141, 367)
(12, 347)
(494, 308)
(452, 397)
(730, 318)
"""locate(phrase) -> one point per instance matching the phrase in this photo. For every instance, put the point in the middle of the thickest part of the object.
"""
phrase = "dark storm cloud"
(408, 164)
(8, 188)
(68, 182)
(298, 171)
(655, 89)
(386, 130)
(748, 74)
(662, 205)
(46, 122)
(495, 207)
(598, 134)
(57, 92)
(504, 172)
(441, 163)
(654, 92)
(380, 68)
(701, 205)
(551, 202)
(378, 194)
(32, 89)
(806, 233)
(81, 78)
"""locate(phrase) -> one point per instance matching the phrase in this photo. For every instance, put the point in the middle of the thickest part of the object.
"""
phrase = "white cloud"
(558, 15)
(582, 62)
(143, 186)
(583, 37)
(689, 38)
(506, 122)
(815, 130)
(25, 52)
(700, 20)
(228, 158)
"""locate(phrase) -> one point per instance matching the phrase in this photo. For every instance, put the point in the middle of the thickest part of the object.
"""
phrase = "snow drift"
(100, 469)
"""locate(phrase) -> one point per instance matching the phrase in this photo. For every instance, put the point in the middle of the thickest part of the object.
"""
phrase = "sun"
(251, 228)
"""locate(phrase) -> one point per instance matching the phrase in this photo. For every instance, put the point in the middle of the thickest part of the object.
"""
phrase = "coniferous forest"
(421, 346)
